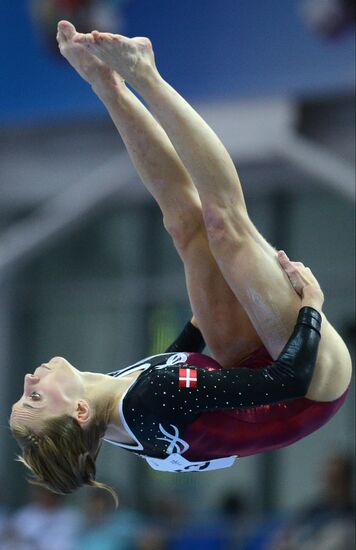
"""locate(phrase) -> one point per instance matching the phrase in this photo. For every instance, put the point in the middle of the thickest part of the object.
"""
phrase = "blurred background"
(87, 271)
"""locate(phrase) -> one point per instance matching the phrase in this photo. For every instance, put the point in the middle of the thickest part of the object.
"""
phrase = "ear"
(82, 412)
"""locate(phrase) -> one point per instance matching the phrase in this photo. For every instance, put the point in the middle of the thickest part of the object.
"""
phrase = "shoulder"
(147, 362)
(163, 360)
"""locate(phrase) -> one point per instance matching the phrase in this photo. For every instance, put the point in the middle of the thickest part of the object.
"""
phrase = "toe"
(84, 38)
(66, 29)
(61, 39)
(143, 40)
(104, 36)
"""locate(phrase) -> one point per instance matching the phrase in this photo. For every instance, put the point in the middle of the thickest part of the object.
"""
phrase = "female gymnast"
(279, 370)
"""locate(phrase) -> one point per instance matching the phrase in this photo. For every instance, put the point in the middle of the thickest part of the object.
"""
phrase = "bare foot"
(82, 60)
(133, 58)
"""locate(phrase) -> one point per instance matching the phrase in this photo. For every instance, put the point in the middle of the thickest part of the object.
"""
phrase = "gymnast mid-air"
(278, 371)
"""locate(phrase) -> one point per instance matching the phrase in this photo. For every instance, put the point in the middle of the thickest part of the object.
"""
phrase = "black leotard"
(158, 407)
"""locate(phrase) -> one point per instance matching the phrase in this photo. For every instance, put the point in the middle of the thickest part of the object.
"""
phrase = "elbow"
(302, 386)
(305, 388)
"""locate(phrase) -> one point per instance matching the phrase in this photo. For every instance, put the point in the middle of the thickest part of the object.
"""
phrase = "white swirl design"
(174, 440)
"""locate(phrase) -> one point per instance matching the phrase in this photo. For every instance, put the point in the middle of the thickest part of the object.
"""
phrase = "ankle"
(148, 83)
(109, 89)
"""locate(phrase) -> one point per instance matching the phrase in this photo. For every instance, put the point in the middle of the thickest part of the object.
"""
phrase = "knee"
(183, 226)
(225, 225)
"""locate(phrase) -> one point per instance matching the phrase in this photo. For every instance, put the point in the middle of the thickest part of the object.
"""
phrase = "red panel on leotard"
(254, 430)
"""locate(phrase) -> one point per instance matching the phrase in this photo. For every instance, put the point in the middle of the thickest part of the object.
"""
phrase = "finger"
(282, 254)
(283, 258)
(288, 269)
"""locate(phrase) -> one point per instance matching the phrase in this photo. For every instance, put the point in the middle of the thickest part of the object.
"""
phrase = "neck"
(103, 389)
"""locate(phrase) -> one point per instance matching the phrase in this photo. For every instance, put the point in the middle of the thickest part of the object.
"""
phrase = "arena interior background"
(86, 270)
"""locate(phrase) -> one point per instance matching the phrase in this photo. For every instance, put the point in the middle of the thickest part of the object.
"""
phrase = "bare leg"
(224, 323)
(249, 264)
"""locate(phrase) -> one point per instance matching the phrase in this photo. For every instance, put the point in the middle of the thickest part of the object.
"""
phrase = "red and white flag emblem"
(188, 378)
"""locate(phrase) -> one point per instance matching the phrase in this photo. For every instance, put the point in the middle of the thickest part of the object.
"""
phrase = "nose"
(30, 380)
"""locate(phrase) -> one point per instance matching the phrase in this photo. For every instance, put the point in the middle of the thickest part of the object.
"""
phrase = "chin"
(60, 363)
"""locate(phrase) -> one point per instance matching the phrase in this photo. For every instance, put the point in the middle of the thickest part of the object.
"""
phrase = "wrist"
(312, 301)
(312, 297)
(310, 316)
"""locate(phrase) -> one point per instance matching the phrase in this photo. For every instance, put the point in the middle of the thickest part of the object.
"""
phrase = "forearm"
(287, 378)
(297, 360)
(290, 375)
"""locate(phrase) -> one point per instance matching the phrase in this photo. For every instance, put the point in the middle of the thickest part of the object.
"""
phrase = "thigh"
(226, 327)
(251, 268)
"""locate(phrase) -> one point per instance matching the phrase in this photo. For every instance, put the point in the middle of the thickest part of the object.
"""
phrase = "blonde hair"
(62, 456)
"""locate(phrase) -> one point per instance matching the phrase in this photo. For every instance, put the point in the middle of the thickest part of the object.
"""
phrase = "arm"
(190, 339)
(286, 378)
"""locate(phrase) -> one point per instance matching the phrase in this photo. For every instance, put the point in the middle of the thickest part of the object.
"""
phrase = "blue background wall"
(207, 49)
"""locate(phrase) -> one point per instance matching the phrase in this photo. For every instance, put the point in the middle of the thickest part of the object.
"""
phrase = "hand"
(303, 281)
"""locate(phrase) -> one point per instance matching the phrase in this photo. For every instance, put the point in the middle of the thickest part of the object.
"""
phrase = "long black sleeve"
(190, 339)
(286, 378)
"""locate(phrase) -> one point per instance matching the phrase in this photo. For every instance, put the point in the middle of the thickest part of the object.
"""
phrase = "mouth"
(37, 370)
(44, 366)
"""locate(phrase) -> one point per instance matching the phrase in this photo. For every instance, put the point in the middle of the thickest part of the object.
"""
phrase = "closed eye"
(35, 396)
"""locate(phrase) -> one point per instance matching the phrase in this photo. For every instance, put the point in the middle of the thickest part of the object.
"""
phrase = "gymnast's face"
(52, 390)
